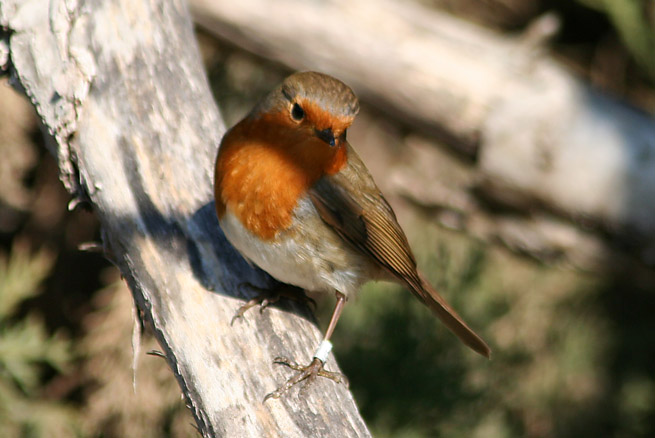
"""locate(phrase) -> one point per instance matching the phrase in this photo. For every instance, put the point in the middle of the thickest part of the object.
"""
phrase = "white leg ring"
(323, 350)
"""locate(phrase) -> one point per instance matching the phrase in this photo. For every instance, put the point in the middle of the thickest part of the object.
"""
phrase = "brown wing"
(369, 224)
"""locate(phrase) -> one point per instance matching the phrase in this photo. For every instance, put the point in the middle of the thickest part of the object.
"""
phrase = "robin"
(293, 197)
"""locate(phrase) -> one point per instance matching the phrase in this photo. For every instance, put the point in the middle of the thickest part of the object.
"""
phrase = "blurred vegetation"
(543, 345)
(65, 317)
(28, 353)
(635, 22)
(573, 351)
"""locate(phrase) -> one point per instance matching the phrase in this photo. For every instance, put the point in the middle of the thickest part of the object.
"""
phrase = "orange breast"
(262, 169)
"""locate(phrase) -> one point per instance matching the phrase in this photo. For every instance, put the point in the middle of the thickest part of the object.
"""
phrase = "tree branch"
(123, 97)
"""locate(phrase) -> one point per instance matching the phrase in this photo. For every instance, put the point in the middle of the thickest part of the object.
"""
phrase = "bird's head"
(312, 105)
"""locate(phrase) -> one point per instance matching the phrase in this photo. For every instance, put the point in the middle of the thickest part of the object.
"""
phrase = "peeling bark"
(122, 95)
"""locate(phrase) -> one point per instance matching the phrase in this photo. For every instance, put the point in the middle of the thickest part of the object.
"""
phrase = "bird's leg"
(266, 297)
(315, 368)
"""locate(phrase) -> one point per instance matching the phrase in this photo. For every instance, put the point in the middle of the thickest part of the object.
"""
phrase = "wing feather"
(369, 224)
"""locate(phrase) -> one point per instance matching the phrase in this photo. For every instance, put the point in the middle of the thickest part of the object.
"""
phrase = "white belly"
(313, 258)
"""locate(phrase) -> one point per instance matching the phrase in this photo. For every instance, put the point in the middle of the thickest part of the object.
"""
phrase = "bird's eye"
(297, 112)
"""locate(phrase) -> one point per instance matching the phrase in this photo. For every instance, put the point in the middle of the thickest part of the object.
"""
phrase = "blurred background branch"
(543, 140)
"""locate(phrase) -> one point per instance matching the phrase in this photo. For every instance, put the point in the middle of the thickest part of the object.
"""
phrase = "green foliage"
(28, 352)
(552, 341)
(635, 22)
(20, 276)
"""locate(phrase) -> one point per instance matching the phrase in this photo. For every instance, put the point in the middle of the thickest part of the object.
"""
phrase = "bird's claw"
(262, 300)
(266, 297)
(309, 373)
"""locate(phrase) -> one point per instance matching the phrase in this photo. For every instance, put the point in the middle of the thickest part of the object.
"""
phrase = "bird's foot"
(309, 373)
(266, 297)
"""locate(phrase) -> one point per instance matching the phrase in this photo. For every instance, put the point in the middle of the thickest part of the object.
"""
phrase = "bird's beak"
(327, 136)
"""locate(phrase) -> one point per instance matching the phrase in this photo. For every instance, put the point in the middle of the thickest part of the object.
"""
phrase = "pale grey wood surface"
(125, 102)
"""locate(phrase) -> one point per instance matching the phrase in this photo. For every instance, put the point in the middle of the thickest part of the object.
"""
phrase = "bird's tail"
(431, 298)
